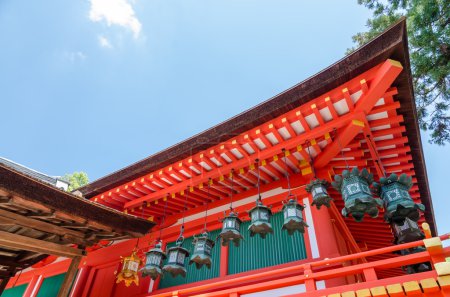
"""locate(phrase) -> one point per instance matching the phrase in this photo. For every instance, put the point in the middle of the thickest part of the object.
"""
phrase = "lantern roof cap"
(260, 205)
(403, 179)
(314, 182)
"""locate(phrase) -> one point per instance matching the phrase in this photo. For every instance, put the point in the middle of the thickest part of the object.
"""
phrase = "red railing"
(308, 274)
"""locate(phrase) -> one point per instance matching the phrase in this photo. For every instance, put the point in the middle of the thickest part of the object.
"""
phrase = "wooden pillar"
(33, 286)
(80, 282)
(326, 240)
(65, 287)
(223, 260)
(3, 283)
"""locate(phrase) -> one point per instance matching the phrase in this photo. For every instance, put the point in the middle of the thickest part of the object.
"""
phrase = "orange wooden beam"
(345, 137)
(383, 79)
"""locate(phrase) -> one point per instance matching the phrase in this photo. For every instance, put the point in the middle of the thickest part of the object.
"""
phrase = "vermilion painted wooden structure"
(358, 112)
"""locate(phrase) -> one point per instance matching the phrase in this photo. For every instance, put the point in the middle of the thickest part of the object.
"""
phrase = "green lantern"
(176, 258)
(318, 190)
(354, 187)
(398, 204)
(231, 229)
(202, 251)
(293, 217)
(418, 267)
(153, 262)
(260, 220)
(407, 232)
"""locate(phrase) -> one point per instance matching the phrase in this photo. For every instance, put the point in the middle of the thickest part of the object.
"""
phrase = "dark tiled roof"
(30, 172)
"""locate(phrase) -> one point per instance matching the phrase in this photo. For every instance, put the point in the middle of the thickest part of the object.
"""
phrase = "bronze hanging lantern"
(154, 261)
(202, 244)
(202, 251)
(176, 258)
(260, 215)
(418, 267)
(318, 187)
(154, 257)
(398, 204)
(292, 210)
(231, 224)
(293, 216)
(260, 220)
(130, 267)
(407, 232)
(318, 190)
(354, 187)
(231, 229)
(177, 254)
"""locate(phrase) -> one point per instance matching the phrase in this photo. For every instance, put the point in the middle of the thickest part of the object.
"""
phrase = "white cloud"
(104, 42)
(75, 56)
(115, 12)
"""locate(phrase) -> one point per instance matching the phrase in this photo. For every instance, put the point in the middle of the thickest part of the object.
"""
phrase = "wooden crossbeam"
(7, 216)
(383, 79)
(14, 241)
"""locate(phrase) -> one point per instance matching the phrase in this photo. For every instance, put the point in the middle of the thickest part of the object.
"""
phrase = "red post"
(370, 274)
(223, 260)
(310, 283)
(326, 240)
(80, 281)
(33, 287)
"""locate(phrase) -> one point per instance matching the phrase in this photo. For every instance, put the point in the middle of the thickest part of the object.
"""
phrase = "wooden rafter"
(20, 242)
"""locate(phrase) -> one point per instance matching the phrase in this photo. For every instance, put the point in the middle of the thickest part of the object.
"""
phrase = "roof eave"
(391, 44)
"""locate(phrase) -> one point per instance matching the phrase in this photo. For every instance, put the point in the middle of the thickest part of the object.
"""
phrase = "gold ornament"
(130, 268)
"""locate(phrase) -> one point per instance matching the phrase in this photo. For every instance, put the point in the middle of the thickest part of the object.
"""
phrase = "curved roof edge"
(391, 44)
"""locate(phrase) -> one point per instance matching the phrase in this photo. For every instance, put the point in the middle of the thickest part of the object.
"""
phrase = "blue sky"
(85, 86)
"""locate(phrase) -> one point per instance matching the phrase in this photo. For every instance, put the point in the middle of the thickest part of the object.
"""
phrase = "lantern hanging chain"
(311, 161)
(287, 172)
(259, 181)
(184, 210)
(207, 201)
(341, 148)
(232, 184)
(142, 215)
(163, 220)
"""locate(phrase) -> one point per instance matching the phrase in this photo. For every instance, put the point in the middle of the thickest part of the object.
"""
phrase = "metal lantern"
(202, 251)
(231, 229)
(398, 204)
(129, 272)
(318, 189)
(418, 267)
(354, 187)
(407, 232)
(176, 258)
(293, 217)
(154, 261)
(260, 220)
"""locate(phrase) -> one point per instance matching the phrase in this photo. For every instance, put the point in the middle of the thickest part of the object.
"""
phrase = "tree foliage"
(76, 180)
(428, 23)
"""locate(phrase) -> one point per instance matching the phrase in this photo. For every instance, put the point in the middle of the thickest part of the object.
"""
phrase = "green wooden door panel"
(193, 274)
(50, 286)
(255, 252)
(15, 292)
